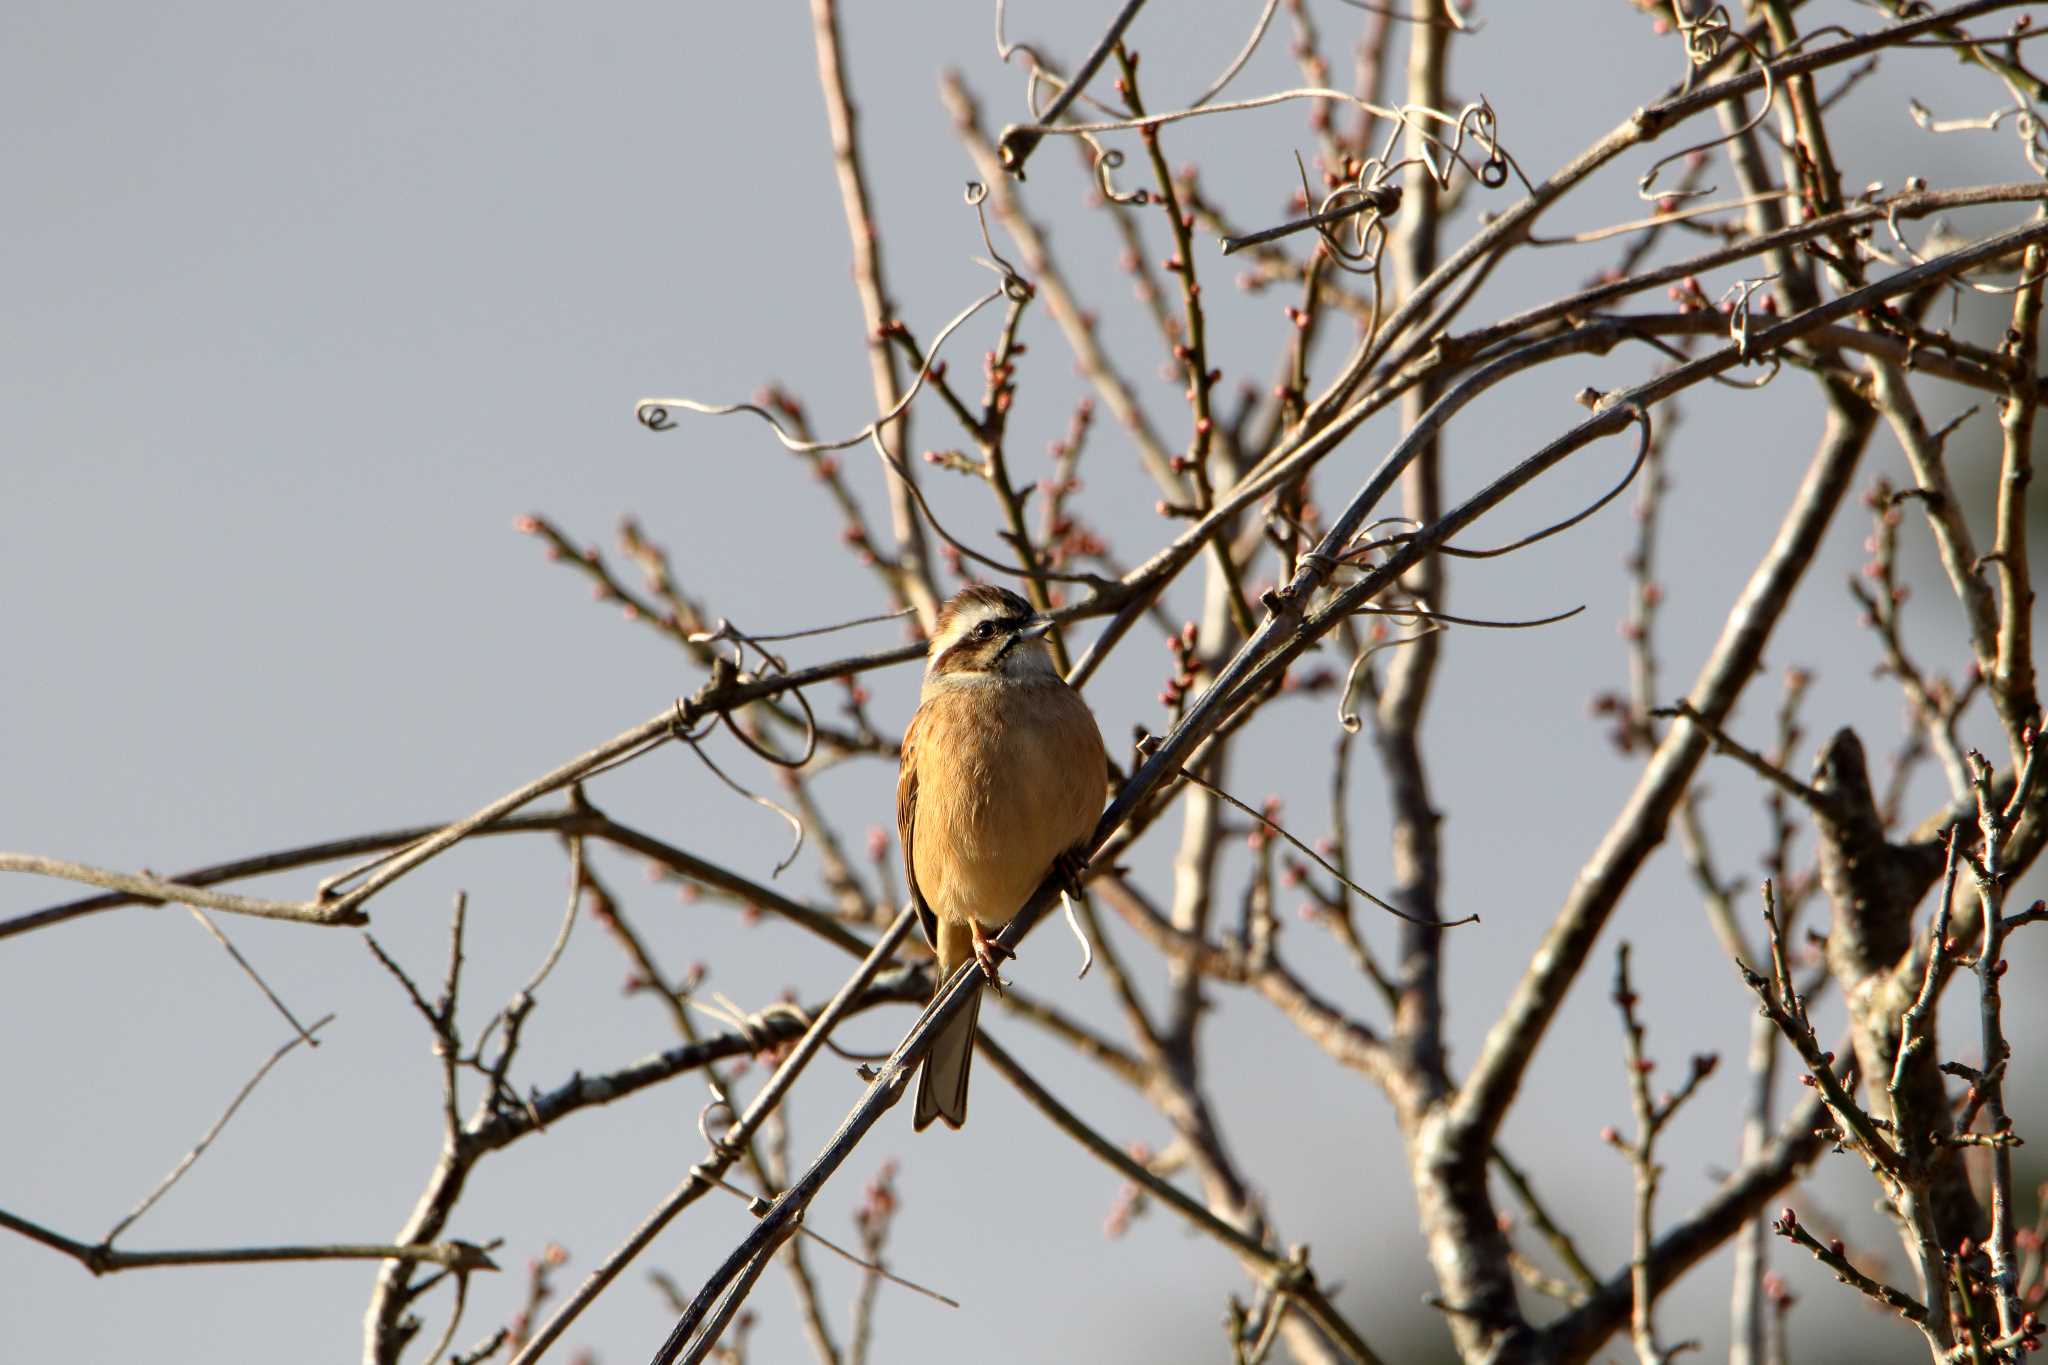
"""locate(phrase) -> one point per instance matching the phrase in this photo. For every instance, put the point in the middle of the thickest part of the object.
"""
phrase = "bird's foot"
(989, 953)
(1071, 866)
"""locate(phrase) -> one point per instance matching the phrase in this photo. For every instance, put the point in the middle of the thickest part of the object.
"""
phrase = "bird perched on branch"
(1003, 777)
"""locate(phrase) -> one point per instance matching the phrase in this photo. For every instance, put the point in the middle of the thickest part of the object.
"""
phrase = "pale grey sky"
(305, 305)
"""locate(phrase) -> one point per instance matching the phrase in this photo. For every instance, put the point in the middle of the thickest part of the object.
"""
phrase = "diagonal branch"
(1641, 825)
(916, 586)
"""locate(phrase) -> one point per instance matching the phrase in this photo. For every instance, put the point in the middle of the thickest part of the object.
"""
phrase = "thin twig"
(163, 1187)
(305, 1035)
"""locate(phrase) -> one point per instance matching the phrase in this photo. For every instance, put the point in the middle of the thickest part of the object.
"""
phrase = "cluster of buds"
(1882, 543)
(1056, 491)
(1624, 732)
(854, 706)
(1689, 297)
(1260, 835)
(596, 903)
(1069, 446)
(959, 461)
(1351, 170)
(784, 404)
(1309, 681)
(1000, 372)
(1072, 541)
(1651, 595)
(1187, 666)
(1186, 358)
(540, 526)
(2033, 1283)
(1807, 1080)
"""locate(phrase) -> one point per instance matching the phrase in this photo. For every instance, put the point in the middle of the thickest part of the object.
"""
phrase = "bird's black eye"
(986, 630)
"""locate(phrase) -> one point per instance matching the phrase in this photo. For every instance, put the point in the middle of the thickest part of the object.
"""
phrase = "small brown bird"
(1003, 776)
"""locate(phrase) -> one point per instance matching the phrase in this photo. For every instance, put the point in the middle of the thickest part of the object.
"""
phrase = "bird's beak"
(1035, 627)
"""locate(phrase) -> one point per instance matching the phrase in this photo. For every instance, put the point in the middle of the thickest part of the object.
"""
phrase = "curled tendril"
(1360, 205)
(1321, 861)
(1039, 74)
(1358, 554)
(1637, 414)
(771, 664)
(1426, 617)
(769, 755)
(1363, 201)
(725, 630)
(1924, 116)
(1659, 220)
(655, 415)
(1348, 718)
(2026, 125)
(1704, 39)
(1016, 288)
(1430, 622)
(704, 1115)
(1476, 121)
(1080, 934)
(1738, 317)
(1775, 360)
(1485, 124)
(676, 730)
(1108, 159)
(796, 825)
(1142, 122)
(1373, 194)
(1703, 36)
(1997, 290)
(1446, 618)
(753, 1031)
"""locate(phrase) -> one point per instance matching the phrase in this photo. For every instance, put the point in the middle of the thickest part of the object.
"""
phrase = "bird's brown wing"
(906, 828)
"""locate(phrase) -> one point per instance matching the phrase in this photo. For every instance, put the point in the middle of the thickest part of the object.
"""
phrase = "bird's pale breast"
(1025, 784)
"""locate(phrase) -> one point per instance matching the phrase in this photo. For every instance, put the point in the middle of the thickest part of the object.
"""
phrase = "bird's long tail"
(942, 1085)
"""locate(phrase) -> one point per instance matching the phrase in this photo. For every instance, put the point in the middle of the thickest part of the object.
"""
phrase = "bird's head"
(988, 634)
